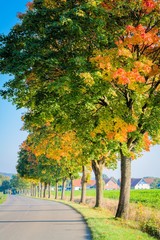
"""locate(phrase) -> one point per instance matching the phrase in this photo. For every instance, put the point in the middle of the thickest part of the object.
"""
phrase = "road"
(34, 219)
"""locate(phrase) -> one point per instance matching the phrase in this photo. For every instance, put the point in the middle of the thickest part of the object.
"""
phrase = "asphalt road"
(33, 219)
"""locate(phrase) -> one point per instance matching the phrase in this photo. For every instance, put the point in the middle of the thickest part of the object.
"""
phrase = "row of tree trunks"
(97, 167)
(40, 190)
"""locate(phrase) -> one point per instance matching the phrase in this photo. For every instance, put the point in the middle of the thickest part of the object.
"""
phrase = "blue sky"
(10, 121)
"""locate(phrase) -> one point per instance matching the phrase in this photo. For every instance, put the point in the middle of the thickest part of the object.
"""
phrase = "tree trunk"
(34, 190)
(63, 189)
(41, 189)
(123, 205)
(72, 190)
(56, 191)
(31, 190)
(97, 167)
(44, 190)
(84, 184)
(49, 190)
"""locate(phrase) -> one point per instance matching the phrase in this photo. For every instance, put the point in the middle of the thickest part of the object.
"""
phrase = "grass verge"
(2, 198)
(104, 226)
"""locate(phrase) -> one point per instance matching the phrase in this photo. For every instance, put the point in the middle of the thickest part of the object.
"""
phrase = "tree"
(156, 183)
(131, 71)
(50, 80)
(2, 178)
(18, 184)
(5, 186)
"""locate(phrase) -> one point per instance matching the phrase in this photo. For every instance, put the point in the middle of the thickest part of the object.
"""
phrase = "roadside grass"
(144, 207)
(2, 198)
(104, 226)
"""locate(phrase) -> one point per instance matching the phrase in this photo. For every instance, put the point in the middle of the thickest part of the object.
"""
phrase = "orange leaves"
(121, 129)
(131, 128)
(103, 62)
(140, 36)
(143, 67)
(109, 4)
(148, 5)
(154, 70)
(25, 146)
(30, 5)
(121, 75)
(57, 146)
(130, 64)
(147, 141)
(106, 6)
(31, 77)
(129, 77)
(20, 15)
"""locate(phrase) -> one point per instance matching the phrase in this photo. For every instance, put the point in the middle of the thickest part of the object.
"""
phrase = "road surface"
(34, 219)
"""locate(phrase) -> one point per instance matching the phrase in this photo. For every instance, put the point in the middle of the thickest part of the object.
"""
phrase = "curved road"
(34, 219)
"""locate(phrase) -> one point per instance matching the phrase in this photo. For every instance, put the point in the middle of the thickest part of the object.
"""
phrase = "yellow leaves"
(80, 13)
(115, 129)
(143, 67)
(124, 52)
(88, 79)
(121, 129)
(103, 62)
(92, 3)
(51, 3)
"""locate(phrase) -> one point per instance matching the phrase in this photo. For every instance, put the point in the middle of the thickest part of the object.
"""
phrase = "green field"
(150, 198)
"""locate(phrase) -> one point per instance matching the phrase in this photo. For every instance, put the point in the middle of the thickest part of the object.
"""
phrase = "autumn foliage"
(88, 75)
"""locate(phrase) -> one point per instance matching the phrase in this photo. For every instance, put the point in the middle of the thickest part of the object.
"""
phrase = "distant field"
(150, 198)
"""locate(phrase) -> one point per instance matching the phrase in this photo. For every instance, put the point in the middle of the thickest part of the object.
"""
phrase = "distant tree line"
(13, 185)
